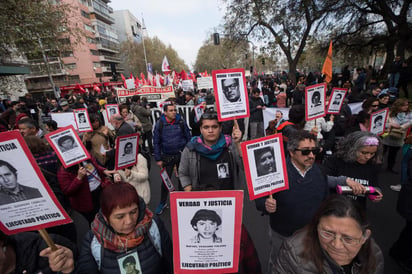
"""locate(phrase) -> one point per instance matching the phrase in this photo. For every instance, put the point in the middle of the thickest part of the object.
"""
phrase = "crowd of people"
(312, 229)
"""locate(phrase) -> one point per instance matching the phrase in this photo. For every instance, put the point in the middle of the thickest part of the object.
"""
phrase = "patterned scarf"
(212, 152)
(120, 243)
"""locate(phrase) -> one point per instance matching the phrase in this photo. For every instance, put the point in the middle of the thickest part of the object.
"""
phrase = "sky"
(184, 24)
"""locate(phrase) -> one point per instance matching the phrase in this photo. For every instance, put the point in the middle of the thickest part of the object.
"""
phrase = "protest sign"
(26, 199)
(231, 95)
(126, 150)
(336, 100)
(111, 109)
(166, 180)
(64, 119)
(206, 229)
(199, 110)
(67, 145)
(150, 92)
(378, 121)
(204, 82)
(315, 101)
(265, 166)
(81, 116)
(187, 85)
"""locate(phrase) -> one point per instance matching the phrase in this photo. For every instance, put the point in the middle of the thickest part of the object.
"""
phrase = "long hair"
(348, 147)
(397, 106)
(341, 207)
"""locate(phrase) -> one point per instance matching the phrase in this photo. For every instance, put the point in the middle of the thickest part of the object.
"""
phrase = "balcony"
(102, 11)
(112, 59)
(111, 47)
(38, 68)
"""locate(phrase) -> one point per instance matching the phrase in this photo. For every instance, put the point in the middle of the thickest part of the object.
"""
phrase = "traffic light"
(263, 61)
(216, 38)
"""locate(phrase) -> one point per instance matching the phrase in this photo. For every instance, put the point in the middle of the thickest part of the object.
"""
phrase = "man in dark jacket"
(256, 106)
(142, 111)
(170, 137)
(121, 127)
(292, 209)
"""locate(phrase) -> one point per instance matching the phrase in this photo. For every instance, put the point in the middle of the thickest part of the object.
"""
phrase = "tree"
(133, 55)
(23, 23)
(226, 55)
(283, 23)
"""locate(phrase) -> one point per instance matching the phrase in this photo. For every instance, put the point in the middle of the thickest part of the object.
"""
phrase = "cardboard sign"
(68, 146)
(127, 147)
(378, 121)
(204, 82)
(315, 97)
(64, 119)
(230, 90)
(265, 166)
(206, 229)
(111, 109)
(166, 180)
(336, 100)
(26, 199)
(187, 85)
(81, 116)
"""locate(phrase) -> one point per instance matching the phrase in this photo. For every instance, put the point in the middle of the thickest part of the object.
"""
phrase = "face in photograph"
(337, 99)
(265, 161)
(129, 265)
(66, 143)
(222, 171)
(112, 111)
(377, 123)
(8, 178)
(316, 99)
(128, 148)
(206, 223)
(82, 118)
(231, 89)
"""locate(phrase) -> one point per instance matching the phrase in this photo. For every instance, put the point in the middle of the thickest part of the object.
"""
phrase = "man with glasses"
(292, 209)
(170, 137)
(231, 89)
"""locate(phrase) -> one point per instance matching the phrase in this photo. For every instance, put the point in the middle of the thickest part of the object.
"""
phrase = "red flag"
(96, 88)
(183, 75)
(80, 88)
(124, 80)
(327, 66)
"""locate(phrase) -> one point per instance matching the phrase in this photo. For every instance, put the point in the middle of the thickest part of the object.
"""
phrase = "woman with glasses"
(355, 164)
(337, 240)
(399, 120)
(370, 105)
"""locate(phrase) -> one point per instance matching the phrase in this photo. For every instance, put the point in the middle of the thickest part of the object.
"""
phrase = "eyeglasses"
(346, 240)
(305, 152)
(375, 106)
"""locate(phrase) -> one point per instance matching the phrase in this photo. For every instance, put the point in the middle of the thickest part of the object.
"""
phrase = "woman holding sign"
(124, 228)
(338, 240)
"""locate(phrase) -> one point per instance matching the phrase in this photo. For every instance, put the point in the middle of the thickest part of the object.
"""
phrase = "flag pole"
(144, 48)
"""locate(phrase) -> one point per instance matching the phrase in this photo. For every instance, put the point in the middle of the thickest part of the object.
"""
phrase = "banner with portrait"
(265, 166)
(81, 116)
(315, 97)
(206, 229)
(336, 100)
(26, 199)
(199, 110)
(231, 95)
(68, 146)
(111, 109)
(378, 121)
(166, 180)
(127, 147)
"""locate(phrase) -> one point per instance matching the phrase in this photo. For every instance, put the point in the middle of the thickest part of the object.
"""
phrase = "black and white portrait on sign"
(66, 143)
(336, 100)
(315, 101)
(206, 223)
(129, 263)
(230, 93)
(223, 170)
(11, 190)
(111, 109)
(377, 121)
(82, 120)
(126, 154)
(265, 161)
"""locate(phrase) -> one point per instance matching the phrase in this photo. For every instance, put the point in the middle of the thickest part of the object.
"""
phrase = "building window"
(91, 40)
(89, 28)
(70, 66)
(74, 78)
(97, 64)
(85, 14)
(94, 52)
(98, 75)
(67, 54)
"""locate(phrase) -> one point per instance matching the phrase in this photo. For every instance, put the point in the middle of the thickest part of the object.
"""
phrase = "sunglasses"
(306, 152)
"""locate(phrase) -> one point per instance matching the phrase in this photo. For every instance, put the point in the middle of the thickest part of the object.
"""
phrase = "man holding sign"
(291, 209)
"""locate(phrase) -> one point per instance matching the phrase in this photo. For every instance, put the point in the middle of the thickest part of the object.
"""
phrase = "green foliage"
(133, 55)
(23, 23)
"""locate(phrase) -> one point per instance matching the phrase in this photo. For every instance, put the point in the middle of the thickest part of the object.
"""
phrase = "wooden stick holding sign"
(46, 237)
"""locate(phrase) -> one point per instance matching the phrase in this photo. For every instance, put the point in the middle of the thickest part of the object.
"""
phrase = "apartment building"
(92, 60)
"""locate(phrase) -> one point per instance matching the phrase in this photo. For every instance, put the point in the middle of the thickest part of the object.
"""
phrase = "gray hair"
(299, 136)
(348, 147)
